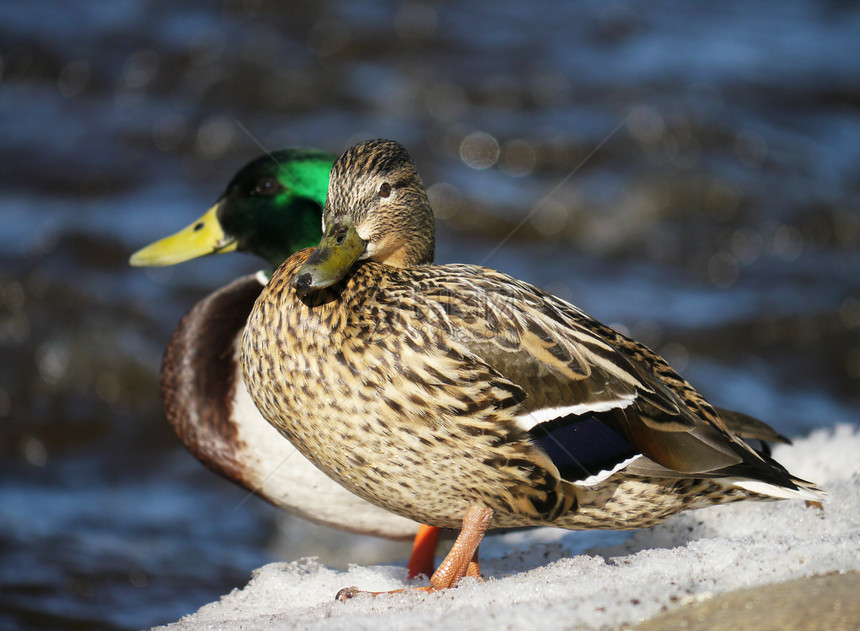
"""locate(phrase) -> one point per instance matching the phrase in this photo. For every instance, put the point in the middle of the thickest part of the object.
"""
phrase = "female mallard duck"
(463, 398)
(271, 208)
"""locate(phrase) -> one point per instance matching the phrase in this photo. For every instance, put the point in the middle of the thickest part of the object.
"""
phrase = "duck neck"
(278, 235)
(412, 243)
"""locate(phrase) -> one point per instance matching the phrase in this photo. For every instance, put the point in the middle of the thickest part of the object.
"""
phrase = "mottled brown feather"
(395, 344)
(412, 386)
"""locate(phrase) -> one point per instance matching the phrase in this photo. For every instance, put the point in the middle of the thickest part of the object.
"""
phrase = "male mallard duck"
(271, 208)
(460, 397)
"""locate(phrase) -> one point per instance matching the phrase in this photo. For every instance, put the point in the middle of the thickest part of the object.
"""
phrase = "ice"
(532, 581)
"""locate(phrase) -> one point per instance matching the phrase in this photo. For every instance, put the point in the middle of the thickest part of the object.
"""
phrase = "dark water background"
(719, 222)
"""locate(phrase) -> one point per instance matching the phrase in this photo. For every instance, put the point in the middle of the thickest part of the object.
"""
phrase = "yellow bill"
(204, 236)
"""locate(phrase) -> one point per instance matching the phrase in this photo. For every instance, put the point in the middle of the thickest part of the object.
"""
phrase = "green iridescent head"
(271, 208)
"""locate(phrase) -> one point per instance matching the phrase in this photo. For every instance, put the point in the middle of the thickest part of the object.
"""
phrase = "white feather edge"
(778, 492)
(597, 478)
(262, 278)
(530, 420)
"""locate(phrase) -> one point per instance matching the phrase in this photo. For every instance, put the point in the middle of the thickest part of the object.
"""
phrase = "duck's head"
(271, 208)
(376, 209)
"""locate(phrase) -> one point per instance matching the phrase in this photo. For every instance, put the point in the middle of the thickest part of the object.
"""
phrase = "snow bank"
(539, 578)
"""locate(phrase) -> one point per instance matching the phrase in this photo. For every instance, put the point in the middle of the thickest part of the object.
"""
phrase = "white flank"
(600, 477)
(536, 417)
(778, 492)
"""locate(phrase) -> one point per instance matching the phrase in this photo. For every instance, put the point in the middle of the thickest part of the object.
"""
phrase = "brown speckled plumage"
(377, 380)
(433, 390)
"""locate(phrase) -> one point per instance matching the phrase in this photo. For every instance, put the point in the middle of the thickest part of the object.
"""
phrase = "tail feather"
(768, 477)
(798, 489)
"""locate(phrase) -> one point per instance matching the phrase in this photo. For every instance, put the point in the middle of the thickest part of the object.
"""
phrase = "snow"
(539, 578)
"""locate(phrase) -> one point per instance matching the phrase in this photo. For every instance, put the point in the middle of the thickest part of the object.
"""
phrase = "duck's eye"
(385, 189)
(340, 238)
(266, 187)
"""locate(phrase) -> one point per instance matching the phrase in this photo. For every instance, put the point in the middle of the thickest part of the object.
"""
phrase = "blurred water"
(719, 223)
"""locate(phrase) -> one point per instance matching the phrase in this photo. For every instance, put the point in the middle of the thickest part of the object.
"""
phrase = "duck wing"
(595, 400)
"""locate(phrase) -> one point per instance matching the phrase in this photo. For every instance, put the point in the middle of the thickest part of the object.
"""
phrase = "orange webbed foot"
(461, 561)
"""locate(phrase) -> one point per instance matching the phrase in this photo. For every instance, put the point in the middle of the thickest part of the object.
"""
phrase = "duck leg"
(423, 552)
(474, 569)
(461, 560)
